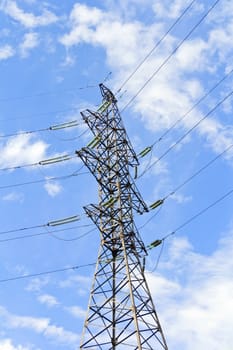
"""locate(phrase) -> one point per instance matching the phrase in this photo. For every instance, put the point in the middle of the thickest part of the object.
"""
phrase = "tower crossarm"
(107, 173)
(109, 223)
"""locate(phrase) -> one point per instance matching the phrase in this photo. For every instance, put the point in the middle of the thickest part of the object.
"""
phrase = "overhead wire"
(158, 258)
(152, 217)
(170, 55)
(70, 239)
(44, 114)
(49, 272)
(48, 179)
(201, 212)
(56, 127)
(156, 45)
(187, 222)
(58, 222)
(204, 167)
(192, 108)
(190, 178)
(92, 264)
(51, 233)
(45, 93)
(150, 148)
(190, 130)
(43, 162)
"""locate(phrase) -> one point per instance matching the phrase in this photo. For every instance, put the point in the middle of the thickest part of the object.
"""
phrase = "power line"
(75, 267)
(41, 162)
(194, 217)
(50, 223)
(204, 167)
(199, 171)
(51, 233)
(45, 93)
(192, 108)
(159, 257)
(156, 45)
(55, 178)
(201, 212)
(190, 130)
(45, 114)
(170, 55)
(56, 127)
(71, 239)
(150, 148)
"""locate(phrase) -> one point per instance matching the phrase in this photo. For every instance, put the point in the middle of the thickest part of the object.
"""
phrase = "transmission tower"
(121, 314)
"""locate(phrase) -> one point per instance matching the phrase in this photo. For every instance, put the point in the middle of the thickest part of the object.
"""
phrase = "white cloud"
(28, 19)
(180, 198)
(6, 344)
(81, 283)
(196, 298)
(165, 8)
(13, 197)
(48, 300)
(76, 311)
(22, 149)
(175, 88)
(30, 41)
(6, 52)
(36, 284)
(41, 326)
(53, 188)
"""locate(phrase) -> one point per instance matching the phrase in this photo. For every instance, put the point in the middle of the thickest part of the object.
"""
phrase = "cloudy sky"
(170, 64)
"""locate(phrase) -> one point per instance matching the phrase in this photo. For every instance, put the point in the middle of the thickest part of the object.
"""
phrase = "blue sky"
(53, 55)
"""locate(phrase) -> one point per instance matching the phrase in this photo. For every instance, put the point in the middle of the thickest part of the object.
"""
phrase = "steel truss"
(121, 313)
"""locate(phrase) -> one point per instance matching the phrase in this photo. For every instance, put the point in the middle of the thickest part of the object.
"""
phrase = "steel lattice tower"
(121, 314)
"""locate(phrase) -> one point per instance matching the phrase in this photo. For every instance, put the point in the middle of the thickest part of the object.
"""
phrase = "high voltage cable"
(190, 130)
(150, 148)
(6, 99)
(192, 108)
(64, 177)
(92, 264)
(48, 224)
(170, 55)
(56, 127)
(199, 171)
(51, 233)
(201, 212)
(156, 45)
(161, 201)
(43, 114)
(166, 197)
(75, 267)
(71, 239)
(157, 242)
(43, 162)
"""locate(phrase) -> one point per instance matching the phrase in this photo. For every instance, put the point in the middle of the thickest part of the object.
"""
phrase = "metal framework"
(121, 313)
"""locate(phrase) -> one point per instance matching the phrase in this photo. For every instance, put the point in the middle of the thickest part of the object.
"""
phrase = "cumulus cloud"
(175, 89)
(76, 311)
(196, 297)
(41, 326)
(30, 41)
(37, 284)
(22, 149)
(13, 197)
(28, 19)
(7, 344)
(6, 52)
(48, 300)
(53, 188)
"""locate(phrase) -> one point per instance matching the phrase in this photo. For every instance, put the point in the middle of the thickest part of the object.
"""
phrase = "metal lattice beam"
(121, 313)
